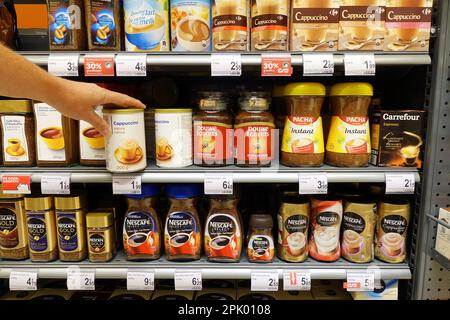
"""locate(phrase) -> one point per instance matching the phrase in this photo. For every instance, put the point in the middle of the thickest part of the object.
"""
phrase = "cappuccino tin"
(173, 136)
(190, 22)
(146, 25)
(125, 149)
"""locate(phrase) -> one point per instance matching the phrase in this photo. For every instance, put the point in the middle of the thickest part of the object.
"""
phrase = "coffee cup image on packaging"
(128, 152)
(327, 240)
(164, 151)
(53, 137)
(392, 244)
(223, 246)
(296, 243)
(182, 243)
(94, 138)
(352, 242)
(15, 147)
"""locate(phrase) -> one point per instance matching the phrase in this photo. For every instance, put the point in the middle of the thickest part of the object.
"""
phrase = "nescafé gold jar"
(101, 236)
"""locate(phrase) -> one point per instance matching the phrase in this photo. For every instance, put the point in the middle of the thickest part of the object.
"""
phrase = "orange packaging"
(253, 142)
(326, 217)
(211, 142)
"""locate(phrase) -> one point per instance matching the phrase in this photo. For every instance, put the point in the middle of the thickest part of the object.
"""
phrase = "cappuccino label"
(15, 144)
(67, 231)
(349, 135)
(327, 219)
(222, 236)
(37, 232)
(9, 236)
(296, 223)
(394, 223)
(303, 135)
(353, 221)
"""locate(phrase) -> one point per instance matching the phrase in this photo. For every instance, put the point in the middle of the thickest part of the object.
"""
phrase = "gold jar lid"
(9, 196)
(70, 202)
(16, 106)
(38, 203)
(99, 219)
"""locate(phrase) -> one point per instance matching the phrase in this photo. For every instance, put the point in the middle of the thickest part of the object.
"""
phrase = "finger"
(99, 123)
(122, 100)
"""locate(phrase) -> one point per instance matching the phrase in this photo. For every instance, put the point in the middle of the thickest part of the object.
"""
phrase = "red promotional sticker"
(99, 66)
(276, 65)
(16, 184)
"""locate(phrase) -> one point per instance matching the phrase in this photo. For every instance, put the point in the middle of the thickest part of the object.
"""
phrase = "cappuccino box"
(443, 233)
(397, 138)
(408, 24)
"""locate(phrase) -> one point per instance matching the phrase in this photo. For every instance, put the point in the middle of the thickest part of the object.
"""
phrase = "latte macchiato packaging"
(230, 25)
(314, 25)
(397, 138)
(270, 25)
(190, 22)
(326, 218)
(392, 229)
(361, 25)
(408, 24)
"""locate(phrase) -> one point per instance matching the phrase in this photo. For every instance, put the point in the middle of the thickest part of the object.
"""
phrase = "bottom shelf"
(118, 267)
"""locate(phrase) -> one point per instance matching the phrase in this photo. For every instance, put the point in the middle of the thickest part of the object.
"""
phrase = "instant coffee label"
(140, 234)
(213, 142)
(64, 18)
(9, 234)
(260, 248)
(182, 234)
(293, 237)
(270, 25)
(349, 135)
(253, 141)
(96, 242)
(102, 23)
(67, 232)
(303, 135)
(230, 25)
(37, 232)
(15, 144)
(223, 237)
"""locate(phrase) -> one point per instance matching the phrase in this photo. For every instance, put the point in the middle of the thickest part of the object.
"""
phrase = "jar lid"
(352, 89)
(147, 190)
(304, 89)
(179, 110)
(214, 100)
(15, 106)
(278, 91)
(9, 196)
(70, 202)
(183, 191)
(261, 221)
(39, 202)
(259, 100)
(99, 219)
(121, 110)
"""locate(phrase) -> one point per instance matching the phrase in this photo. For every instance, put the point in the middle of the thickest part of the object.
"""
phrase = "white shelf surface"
(195, 174)
(117, 268)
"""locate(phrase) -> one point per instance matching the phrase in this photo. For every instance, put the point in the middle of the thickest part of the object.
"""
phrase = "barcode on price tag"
(223, 65)
(363, 281)
(131, 65)
(361, 64)
(188, 281)
(321, 64)
(127, 184)
(218, 184)
(276, 64)
(297, 281)
(81, 280)
(264, 281)
(313, 183)
(141, 280)
(400, 183)
(20, 280)
(63, 65)
(55, 184)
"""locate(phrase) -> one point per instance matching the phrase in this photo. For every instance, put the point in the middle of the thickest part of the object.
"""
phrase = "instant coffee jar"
(101, 236)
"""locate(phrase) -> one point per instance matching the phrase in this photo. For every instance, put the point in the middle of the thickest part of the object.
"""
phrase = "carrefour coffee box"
(397, 138)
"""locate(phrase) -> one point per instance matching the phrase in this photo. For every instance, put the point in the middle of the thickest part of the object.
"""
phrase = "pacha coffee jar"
(348, 142)
(302, 142)
(17, 133)
(142, 226)
(183, 232)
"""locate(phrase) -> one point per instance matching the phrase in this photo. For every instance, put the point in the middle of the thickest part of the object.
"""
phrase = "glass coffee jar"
(213, 135)
(260, 246)
(254, 130)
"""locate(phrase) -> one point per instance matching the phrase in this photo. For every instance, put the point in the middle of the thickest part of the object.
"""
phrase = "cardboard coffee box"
(443, 233)
(397, 138)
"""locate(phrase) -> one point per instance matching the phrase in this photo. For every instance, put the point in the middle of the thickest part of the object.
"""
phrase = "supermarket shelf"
(440, 258)
(117, 269)
(194, 174)
(181, 59)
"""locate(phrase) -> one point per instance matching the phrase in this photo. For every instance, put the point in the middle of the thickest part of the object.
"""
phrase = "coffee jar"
(41, 223)
(260, 245)
(101, 237)
(17, 133)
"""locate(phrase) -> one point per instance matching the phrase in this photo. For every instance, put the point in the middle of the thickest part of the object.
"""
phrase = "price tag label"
(140, 280)
(55, 184)
(264, 281)
(313, 183)
(276, 65)
(360, 282)
(99, 66)
(400, 183)
(127, 184)
(63, 65)
(16, 184)
(81, 281)
(321, 64)
(26, 281)
(362, 64)
(131, 65)
(223, 65)
(297, 281)
(218, 184)
(188, 280)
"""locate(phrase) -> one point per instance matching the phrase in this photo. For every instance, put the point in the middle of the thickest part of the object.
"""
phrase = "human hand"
(78, 100)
